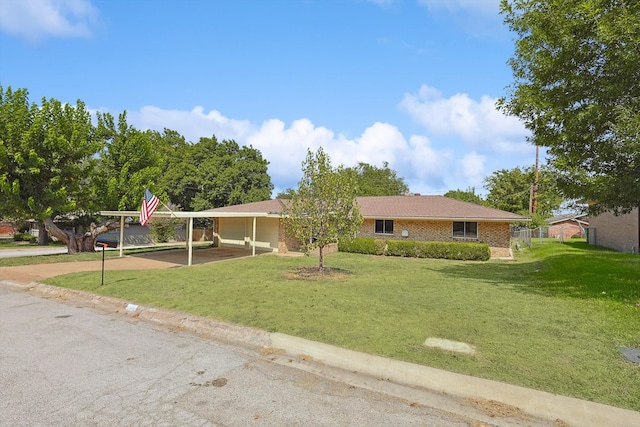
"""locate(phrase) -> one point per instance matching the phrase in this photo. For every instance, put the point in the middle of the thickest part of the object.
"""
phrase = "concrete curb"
(533, 402)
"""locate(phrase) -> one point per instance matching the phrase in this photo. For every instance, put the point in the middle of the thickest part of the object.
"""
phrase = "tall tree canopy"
(576, 88)
(128, 164)
(211, 174)
(511, 190)
(46, 160)
(377, 181)
(323, 209)
(468, 195)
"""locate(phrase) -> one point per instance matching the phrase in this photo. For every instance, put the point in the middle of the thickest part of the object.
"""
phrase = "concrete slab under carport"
(156, 260)
(179, 257)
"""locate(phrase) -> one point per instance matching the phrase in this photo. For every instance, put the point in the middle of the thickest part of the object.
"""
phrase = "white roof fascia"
(428, 218)
(165, 214)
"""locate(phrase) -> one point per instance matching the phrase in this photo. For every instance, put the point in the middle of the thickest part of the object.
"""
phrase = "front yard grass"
(550, 320)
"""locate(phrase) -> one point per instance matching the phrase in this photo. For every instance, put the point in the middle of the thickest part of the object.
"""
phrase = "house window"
(467, 230)
(384, 226)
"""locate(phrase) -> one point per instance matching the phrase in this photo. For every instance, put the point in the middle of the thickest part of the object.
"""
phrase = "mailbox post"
(105, 244)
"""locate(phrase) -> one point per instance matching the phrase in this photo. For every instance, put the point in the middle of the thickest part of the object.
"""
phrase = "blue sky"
(410, 82)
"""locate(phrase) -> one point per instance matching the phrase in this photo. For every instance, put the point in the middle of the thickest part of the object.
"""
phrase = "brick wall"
(6, 228)
(495, 234)
(616, 232)
(565, 230)
(289, 244)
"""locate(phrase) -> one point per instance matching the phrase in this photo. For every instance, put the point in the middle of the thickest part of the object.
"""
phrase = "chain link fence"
(527, 236)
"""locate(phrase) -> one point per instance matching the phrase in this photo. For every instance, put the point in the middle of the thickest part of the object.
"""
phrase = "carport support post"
(121, 235)
(190, 241)
(253, 239)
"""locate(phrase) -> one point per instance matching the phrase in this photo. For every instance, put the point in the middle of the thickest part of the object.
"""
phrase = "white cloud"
(37, 19)
(285, 147)
(477, 123)
(192, 124)
(463, 138)
(471, 168)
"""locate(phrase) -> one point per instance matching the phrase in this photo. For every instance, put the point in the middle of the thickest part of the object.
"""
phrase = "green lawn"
(550, 320)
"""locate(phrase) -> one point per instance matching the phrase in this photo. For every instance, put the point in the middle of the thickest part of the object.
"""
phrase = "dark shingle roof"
(413, 207)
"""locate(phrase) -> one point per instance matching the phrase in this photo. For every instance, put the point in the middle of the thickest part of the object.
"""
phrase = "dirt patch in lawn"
(313, 273)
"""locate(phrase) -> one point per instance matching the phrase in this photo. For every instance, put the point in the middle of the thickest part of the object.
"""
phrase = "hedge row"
(24, 237)
(411, 248)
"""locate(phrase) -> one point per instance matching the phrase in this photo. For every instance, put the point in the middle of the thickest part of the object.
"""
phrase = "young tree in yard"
(323, 210)
(46, 163)
(576, 88)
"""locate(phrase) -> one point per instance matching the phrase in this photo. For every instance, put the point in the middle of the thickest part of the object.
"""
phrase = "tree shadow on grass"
(589, 273)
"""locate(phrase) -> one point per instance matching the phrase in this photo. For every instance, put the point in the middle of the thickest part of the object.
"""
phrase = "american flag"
(149, 205)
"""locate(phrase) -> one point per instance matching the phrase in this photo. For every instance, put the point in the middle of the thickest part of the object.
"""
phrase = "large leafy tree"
(468, 195)
(211, 174)
(129, 163)
(378, 181)
(46, 163)
(324, 208)
(576, 88)
(511, 190)
(370, 181)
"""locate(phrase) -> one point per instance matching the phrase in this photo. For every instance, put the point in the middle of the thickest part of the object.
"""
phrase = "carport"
(189, 217)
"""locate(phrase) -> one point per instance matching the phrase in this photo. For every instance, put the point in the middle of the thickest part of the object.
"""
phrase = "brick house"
(422, 218)
(621, 233)
(6, 229)
(566, 226)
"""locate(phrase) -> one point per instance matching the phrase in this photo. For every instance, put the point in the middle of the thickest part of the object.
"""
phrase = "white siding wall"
(237, 232)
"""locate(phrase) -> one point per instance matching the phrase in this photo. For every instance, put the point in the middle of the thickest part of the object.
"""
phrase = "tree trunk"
(43, 239)
(79, 242)
(320, 258)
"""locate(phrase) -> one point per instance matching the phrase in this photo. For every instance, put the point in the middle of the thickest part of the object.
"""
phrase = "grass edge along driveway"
(550, 320)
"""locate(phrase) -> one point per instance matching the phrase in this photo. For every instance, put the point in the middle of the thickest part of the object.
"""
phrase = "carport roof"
(186, 215)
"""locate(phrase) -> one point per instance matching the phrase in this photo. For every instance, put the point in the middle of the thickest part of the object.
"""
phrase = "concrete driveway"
(145, 261)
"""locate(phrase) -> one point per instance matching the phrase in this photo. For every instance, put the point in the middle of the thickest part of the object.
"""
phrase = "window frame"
(465, 234)
(384, 227)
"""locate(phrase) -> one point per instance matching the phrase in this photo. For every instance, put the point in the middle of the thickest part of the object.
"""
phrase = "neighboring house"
(422, 218)
(6, 229)
(566, 226)
(621, 233)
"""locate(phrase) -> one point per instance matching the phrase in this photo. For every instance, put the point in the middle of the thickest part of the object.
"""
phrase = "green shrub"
(411, 248)
(358, 245)
(405, 248)
(364, 245)
(24, 237)
(163, 229)
(381, 246)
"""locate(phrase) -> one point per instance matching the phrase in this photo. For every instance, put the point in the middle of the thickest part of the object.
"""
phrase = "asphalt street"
(67, 365)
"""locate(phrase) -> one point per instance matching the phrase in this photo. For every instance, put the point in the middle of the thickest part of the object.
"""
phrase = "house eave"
(427, 218)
